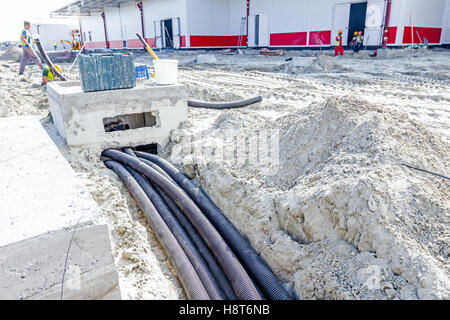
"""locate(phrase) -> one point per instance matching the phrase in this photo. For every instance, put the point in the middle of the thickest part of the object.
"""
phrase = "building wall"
(157, 10)
(48, 32)
(291, 23)
(94, 25)
(423, 18)
(131, 24)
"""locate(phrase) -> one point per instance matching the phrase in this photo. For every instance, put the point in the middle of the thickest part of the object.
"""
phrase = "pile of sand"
(340, 217)
(12, 53)
(320, 64)
(325, 64)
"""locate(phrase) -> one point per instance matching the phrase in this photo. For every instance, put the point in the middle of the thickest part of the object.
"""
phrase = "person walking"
(339, 47)
(28, 52)
(55, 45)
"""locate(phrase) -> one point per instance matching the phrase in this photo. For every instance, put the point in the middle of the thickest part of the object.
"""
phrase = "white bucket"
(166, 71)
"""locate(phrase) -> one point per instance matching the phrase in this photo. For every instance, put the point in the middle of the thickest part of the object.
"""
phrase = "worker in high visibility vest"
(355, 41)
(339, 47)
(359, 40)
(47, 74)
(28, 52)
(55, 44)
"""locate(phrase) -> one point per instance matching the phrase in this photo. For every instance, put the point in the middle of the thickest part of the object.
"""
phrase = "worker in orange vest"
(339, 48)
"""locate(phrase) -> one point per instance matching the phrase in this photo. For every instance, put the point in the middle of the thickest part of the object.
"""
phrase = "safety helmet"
(57, 67)
(356, 33)
(340, 31)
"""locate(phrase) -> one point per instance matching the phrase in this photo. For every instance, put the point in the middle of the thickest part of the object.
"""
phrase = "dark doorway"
(357, 19)
(168, 33)
(257, 30)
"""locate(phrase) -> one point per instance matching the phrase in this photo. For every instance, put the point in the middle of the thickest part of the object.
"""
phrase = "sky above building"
(14, 12)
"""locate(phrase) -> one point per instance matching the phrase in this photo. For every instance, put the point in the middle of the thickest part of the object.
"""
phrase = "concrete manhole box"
(99, 120)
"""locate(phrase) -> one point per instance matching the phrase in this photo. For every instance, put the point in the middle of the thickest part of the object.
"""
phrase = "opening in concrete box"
(131, 121)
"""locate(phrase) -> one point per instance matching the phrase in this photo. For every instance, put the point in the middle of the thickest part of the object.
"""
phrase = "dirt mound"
(324, 63)
(12, 54)
(340, 217)
(320, 64)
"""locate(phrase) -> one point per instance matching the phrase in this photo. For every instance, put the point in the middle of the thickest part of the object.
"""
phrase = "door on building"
(348, 17)
(176, 27)
(167, 32)
(340, 21)
(357, 20)
(258, 31)
(373, 33)
(446, 24)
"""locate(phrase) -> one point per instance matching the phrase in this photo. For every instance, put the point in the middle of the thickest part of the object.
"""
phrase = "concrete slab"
(85, 119)
(43, 207)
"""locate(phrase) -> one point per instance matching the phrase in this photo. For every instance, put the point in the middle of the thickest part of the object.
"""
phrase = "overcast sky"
(14, 12)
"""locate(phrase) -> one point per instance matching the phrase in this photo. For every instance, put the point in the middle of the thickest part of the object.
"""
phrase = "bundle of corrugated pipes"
(210, 256)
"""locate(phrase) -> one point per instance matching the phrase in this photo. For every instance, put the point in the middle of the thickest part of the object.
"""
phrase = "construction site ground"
(341, 218)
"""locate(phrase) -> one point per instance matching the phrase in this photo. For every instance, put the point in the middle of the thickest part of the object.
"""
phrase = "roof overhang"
(86, 7)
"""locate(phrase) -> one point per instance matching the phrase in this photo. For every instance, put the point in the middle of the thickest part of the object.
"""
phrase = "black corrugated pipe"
(255, 265)
(188, 277)
(205, 275)
(236, 274)
(48, 61)
(231, 105)
(193, 234)
(201, 246)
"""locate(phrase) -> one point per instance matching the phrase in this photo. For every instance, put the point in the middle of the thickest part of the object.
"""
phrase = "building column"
(141, 9)
(106, 33)
(248, 14)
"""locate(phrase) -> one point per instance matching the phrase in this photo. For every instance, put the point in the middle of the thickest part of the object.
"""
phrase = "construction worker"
(47, 74)
(355, 41)
(360, 40)
(55, 45)
(28, 52)
(339, 47)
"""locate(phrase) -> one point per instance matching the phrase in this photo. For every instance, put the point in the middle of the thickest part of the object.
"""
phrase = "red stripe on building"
(95, 45)
(134, 44)
(320, 38)
(116, 44)
(288, 39)
(151, 42)
(432, 34)
(216, 41)
(392, 35)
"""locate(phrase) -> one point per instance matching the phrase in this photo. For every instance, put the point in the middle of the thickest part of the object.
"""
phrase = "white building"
(49, 31)
(271, 23)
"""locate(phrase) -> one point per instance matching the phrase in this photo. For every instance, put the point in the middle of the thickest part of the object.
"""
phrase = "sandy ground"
(339, 217)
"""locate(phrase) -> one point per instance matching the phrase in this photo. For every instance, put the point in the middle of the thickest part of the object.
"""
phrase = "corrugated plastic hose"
(255, 265)
(186, 273)
(236, 274)
(48, 61)
(220, 106)
(194, 256)
(215, 269)
(201, 246)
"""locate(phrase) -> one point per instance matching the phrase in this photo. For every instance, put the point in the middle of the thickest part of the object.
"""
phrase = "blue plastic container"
(141, 72)
(100, 72)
